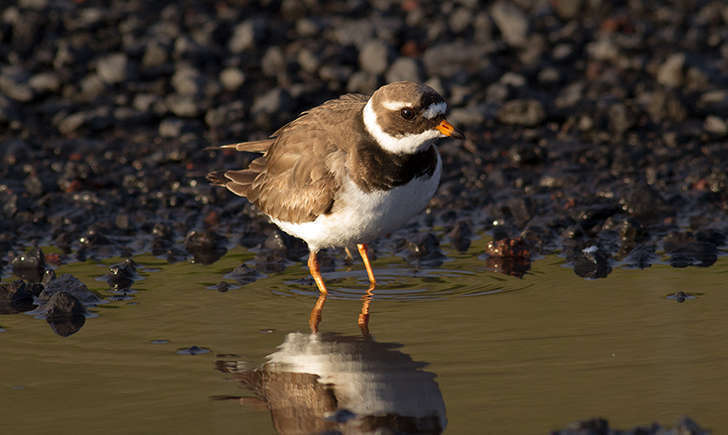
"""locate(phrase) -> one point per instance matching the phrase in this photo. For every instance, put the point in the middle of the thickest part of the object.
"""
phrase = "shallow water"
(483, 351)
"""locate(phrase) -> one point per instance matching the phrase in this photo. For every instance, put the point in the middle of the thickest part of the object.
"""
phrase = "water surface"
(504, 354)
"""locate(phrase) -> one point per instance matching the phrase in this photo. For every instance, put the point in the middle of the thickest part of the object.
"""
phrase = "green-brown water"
(510, 355)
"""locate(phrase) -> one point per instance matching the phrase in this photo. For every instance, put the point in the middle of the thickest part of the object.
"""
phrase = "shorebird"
(348, 171)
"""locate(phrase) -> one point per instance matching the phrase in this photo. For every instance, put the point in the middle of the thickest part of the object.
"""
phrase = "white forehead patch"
(395, 105)
(434, 110)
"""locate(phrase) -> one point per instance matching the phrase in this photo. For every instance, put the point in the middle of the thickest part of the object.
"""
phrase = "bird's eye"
(407, 113)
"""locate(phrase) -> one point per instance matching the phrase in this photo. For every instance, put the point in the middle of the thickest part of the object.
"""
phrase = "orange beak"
(447, 129)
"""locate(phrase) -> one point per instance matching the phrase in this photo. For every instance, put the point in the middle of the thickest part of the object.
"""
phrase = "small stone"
(45, 82)
(185, 106)
(273, 62)
(404, 69)
(670, 72)
(30, 266)
(232, 78)
(374, 57)
(460, 19)
(522, 112)
(121, 275)
(69, 284)
(511, 21)
(275, 101)
(206, 247)
(64, 304)
(15, 296)
(14, 84)
(460, 236)
(716, 125)
(188, 81)
(113, 68)
(246, 34)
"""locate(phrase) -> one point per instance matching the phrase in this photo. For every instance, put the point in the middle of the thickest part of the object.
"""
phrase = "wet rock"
(600, 426)
(425, 249)
(15, 297)
(517, 211)
(65, 314)
(679, 296)
(522, 112)
(290, 247)
(591, 262)
(63, 304)
(69, 284)
(206, 247)
(508, 256)
(121, 275)
(645, 204)
(222, 286)
(460, 236)
(243, 274)
(30, 266)
(193, 350)
(685, 250)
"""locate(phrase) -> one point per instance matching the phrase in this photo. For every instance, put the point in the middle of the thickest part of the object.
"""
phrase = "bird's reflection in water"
(326, 382)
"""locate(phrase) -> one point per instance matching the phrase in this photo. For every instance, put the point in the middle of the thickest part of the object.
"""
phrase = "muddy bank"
(596, 129)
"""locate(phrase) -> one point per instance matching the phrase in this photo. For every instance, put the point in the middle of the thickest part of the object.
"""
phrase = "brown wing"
(297, 178)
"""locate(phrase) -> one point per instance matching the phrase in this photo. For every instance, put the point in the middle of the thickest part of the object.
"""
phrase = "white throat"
(406, 144)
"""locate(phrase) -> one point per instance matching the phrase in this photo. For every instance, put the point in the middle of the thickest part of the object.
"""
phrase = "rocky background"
(598, 129)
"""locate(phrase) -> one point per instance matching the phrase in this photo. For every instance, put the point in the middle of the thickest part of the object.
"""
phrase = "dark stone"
(685, 250)
(290, 247)
(511, 21)
(374, 57)
(645, 204)
(222, 286)
(591, 262)
(508, 256)
(460, 236)
(15, 297)
(243, 274)
(114, 68)
(29, 266)
(63, 304)
(425, 249)
(522, 112)
(69, 284)
(121, 275)
(206, 247)
(404, 69)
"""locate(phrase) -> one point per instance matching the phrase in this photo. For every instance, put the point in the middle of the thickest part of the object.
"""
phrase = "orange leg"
(363, 320)
(365, 256)
(313, 267)
(316, 313)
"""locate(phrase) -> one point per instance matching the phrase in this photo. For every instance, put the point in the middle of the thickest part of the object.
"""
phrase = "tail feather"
(217, 178)
(255, 146)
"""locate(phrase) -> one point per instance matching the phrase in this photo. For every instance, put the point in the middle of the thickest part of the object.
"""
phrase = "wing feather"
(297, 178)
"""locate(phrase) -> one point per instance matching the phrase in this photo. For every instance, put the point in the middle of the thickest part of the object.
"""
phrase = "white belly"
(364, 216)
